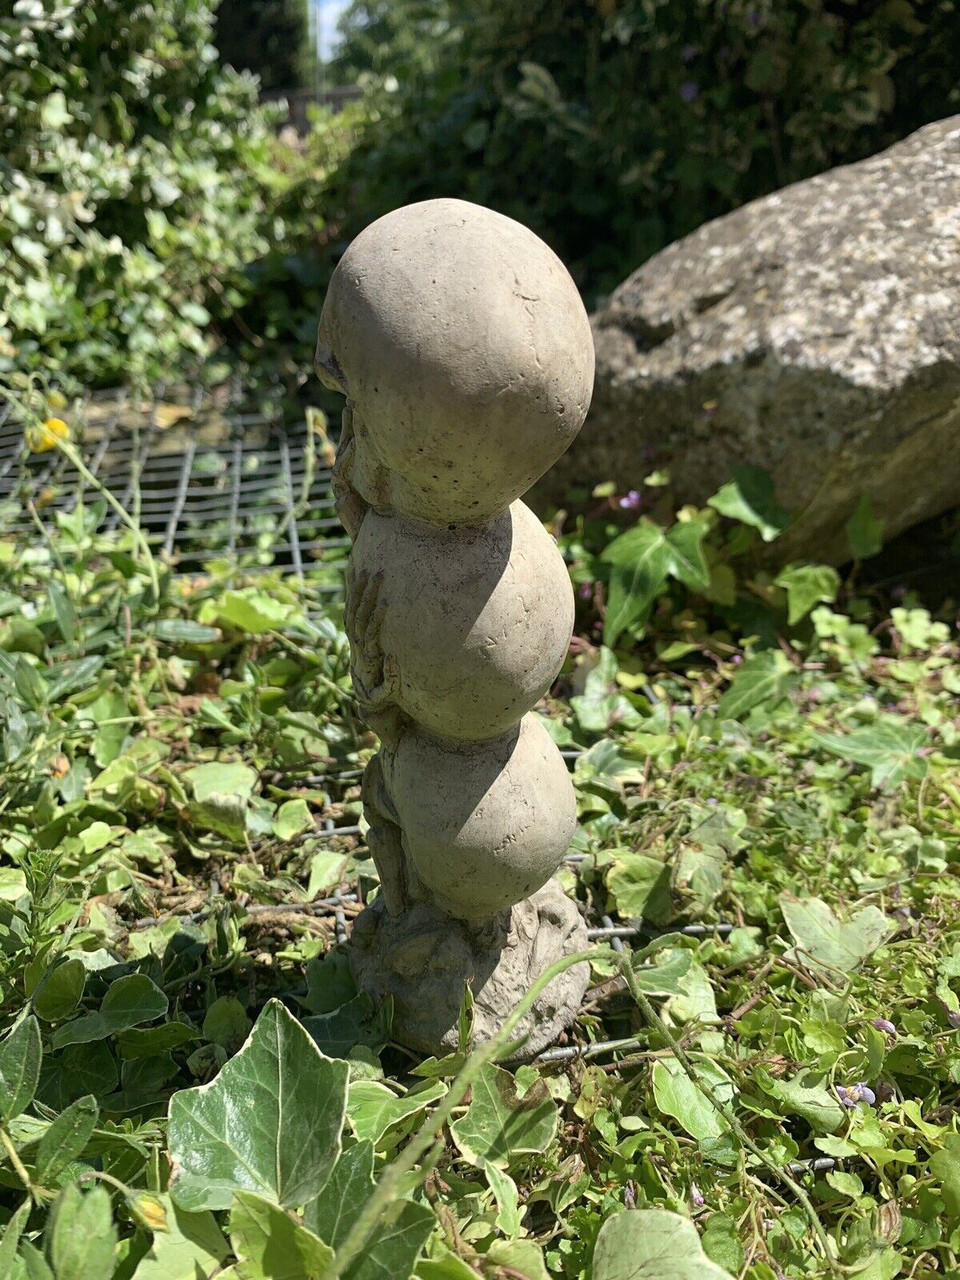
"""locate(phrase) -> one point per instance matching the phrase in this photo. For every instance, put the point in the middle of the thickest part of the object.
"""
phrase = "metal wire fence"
(206, 475)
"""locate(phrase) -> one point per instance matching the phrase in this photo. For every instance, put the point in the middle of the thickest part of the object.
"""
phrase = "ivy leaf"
(129, 1001)
(864, 531)
(293, 818)
(508, 1201)
(806, 1095)
(357, 1022)
(688, 562)
(602, 704)
(641, 560)
(253, 611)
(220, 797)
(501, 1124)
(270, 1245)
(750, 498)
(270, 1122)
(888, 746)
(641, 887)
(665, 976)
(676, 1095)
(373, 1108)
(703, 854)
(763, 679)
(20, 1056)
(332, 1215)
(392, 1254)
(652, 1244)
(824, 940)
(807, 585)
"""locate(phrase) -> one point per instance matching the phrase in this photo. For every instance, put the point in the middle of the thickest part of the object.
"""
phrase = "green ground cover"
(772, 758)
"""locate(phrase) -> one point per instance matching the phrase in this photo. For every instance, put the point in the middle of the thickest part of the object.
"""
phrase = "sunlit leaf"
(652, 1244)
(269, 1123)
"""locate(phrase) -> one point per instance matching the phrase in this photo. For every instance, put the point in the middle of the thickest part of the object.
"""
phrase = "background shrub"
(139, 180)
(614, 127)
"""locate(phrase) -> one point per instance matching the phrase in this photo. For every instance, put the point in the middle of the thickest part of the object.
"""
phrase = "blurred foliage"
(383, 38)
(614, 127)
(267, 37)
(138, 181)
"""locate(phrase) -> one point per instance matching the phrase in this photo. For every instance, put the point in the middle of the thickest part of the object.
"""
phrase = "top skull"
(466, 357)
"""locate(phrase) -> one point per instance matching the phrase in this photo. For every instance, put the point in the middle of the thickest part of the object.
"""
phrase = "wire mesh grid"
(206, 476)
(209, 478)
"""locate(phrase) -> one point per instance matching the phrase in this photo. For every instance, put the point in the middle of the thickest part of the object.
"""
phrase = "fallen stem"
(73, 455)
(657, 1024)
(14, 1157)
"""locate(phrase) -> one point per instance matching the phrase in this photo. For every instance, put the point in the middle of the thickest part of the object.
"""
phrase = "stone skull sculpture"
(465, 354)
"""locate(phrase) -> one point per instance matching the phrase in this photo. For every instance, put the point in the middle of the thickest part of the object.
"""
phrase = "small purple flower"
(860, 1092)
(630, 1196)
(696, 1199)
(689, 52)
(689, 91)
(585, 591)
(712, 800)
(631, 501)
(883, 1024)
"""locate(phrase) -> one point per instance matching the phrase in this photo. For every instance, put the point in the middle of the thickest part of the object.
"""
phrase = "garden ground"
(767, 775)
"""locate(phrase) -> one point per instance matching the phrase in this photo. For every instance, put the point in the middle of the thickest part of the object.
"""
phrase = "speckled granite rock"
(815, 332)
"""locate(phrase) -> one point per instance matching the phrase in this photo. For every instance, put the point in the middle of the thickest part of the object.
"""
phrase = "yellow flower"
(148, 1210)
(41, 438)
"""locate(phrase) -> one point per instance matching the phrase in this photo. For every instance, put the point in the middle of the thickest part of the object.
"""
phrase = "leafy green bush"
(614, 127)
(138, 179)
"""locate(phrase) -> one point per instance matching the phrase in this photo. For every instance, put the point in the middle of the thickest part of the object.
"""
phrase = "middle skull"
(463, 629)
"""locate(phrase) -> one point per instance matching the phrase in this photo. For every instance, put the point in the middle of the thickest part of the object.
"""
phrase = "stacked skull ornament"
(465, 355)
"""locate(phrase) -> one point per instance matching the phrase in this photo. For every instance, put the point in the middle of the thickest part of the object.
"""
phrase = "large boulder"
(815, 333)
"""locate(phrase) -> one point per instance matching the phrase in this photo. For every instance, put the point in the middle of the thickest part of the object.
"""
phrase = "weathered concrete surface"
(465, 629)
(423, 960)
(465, 354)
(464, 351)
(815, 333)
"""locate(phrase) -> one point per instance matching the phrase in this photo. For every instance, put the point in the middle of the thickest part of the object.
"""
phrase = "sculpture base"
(423, 959)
